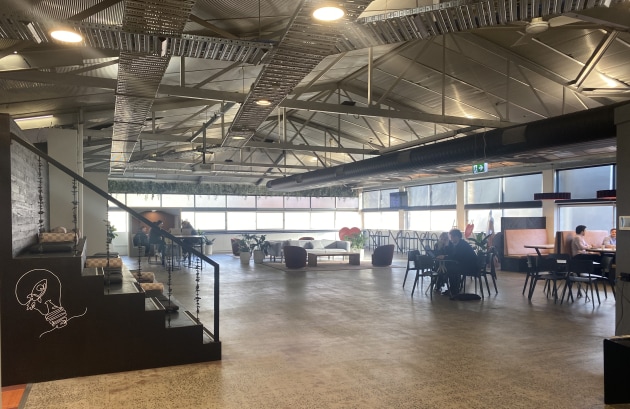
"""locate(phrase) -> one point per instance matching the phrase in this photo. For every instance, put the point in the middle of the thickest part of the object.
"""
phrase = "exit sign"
(480, 167)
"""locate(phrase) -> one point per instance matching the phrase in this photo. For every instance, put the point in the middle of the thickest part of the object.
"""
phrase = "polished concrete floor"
(355, 338)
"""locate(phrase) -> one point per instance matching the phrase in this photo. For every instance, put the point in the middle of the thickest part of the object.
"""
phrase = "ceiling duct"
(585, 127)
(139, 74)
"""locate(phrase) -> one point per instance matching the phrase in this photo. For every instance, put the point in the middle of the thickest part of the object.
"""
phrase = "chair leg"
(415, 283)
(485, 276)
(405, 280)
(527, 277)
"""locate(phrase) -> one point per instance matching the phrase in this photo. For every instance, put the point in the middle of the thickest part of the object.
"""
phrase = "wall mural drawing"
(40, 290)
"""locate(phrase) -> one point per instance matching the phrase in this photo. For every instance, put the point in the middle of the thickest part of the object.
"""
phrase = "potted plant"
(258, 246)
(479, 242)
(244, 249)
(111, 232)
(207, 248)
(357, 242)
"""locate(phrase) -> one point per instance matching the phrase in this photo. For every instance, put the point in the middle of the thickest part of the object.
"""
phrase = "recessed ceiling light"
(66, 36)
(238, 137)
(328, 13)
(263, 102)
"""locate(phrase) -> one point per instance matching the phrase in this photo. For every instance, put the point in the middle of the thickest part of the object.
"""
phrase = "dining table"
(604, 250)
(197, 238)
(537, 247)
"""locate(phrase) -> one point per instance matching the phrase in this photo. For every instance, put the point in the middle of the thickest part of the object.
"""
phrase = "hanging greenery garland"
(154, 188)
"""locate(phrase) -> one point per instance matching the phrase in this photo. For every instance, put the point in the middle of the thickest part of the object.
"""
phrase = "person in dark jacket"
(155, 237)
(466, 260)
(141, 239)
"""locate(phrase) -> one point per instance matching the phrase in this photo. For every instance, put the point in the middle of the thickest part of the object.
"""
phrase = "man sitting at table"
(610, 241)
(465, 257)
(579, 246)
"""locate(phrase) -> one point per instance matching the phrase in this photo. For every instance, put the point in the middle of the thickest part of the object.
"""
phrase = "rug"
(332, 265)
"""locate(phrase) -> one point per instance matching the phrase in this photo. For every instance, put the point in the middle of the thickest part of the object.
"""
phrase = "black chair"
(383, 255)
(548, 270)
(294, 256)
(489, 269)
(608, 273)
(476, 275)
(424, 266)
(580, 271)
(411, 263)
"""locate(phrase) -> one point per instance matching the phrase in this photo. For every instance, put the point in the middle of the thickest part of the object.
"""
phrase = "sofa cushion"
(56, 237)
(317, 244)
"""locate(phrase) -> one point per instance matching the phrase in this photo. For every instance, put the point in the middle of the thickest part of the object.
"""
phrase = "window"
(347, 203)
(210, 220)
(370, 199)
(444, 194)
(521, 188)
(347, 219)
(291, 202)
(322, 202)
(583, 183)
(178, 201)
(210, 201)
(118, 219)
(431, 220)
(269, 202)
(297, 220)
(594, 217)
(270, 220)
(419, 195)
(248, 202)
(241, 221)
(143, 200)
(323, 220)
(483, 191)
(381, 220)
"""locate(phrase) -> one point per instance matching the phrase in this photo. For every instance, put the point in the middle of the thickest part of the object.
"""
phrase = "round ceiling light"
(263, 102)
(66, 36)
(328, 13)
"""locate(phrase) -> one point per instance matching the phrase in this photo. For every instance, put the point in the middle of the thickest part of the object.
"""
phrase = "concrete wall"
(25, 197)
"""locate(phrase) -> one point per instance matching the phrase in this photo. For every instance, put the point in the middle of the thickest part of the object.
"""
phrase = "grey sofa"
(320, 246)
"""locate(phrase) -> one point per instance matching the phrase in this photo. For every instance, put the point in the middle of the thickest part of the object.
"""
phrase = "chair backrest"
(549, 264)
(580, 266)
(411, 256)
(424, 262)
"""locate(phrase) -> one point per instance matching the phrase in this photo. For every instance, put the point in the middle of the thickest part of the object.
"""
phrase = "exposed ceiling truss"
(171, 89)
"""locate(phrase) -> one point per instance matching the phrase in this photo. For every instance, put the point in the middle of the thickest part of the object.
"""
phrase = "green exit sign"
(480, 167)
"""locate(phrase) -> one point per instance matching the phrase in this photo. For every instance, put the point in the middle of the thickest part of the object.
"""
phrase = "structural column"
(622, 121)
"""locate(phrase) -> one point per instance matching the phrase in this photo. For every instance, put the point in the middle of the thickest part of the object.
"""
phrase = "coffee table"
(353, 258)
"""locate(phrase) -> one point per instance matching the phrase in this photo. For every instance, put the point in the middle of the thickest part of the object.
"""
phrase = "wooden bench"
(514, 251)
(565, 237)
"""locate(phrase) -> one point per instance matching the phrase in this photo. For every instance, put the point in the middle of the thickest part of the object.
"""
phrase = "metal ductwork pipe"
(500, 144)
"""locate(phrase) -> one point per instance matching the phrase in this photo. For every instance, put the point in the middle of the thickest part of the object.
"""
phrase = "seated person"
(610, 241)
(155, 237)
(579, 246)
(141, 239)
(441, 248)
(465, 257)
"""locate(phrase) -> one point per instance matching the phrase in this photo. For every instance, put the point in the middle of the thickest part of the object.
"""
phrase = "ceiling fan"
(537, 26)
